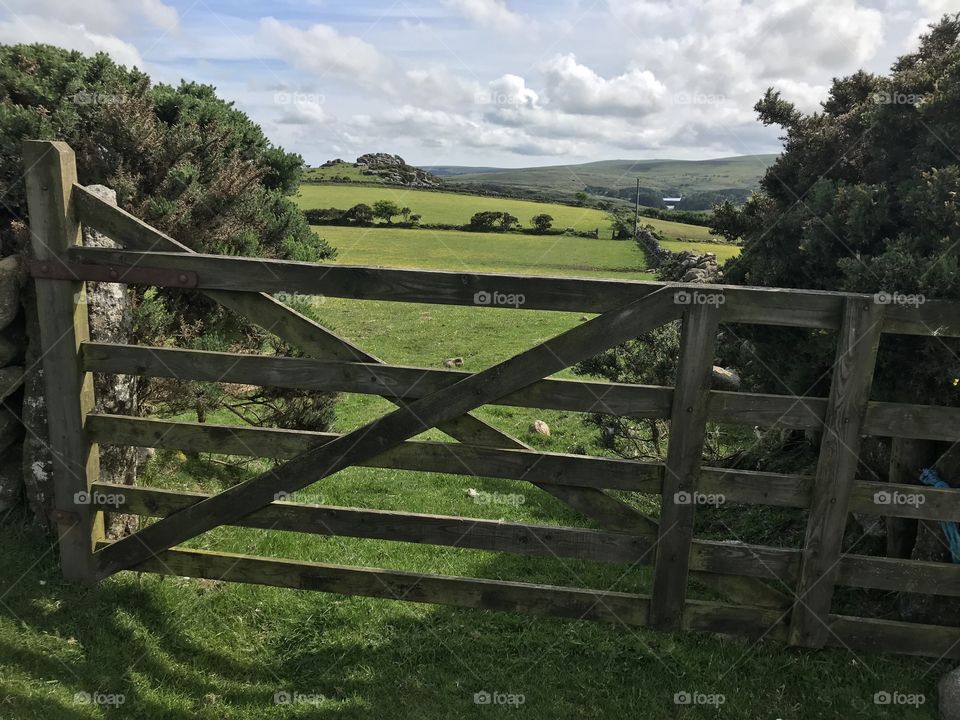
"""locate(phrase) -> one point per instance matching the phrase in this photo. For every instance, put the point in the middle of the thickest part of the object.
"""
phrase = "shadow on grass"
(176, 648)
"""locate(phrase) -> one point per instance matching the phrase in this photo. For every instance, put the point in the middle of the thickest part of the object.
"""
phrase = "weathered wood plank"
(540, 468)
(543, 468)
(508, 376)
(913, 576)
(546, 600)
(61, 306)
(318, 341)
(518, 597)
(688, 425)
(753, 561)
(392, 381)
(464, 532)
(858, 340)
(889, 636)
(765, 306)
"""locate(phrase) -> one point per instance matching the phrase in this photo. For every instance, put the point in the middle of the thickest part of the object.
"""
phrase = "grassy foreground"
(456, 209)
(176, 648)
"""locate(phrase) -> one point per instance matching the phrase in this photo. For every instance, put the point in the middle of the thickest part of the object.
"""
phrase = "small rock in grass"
(539, 427)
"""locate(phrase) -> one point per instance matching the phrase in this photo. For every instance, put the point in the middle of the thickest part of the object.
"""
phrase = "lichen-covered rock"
(724, 379)
(110, 319)
(11, 280)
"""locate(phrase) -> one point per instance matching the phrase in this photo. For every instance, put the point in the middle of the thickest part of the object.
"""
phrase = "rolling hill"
(701, 182)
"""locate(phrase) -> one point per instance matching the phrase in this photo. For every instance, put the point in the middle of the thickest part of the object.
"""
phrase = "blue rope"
(929, 476)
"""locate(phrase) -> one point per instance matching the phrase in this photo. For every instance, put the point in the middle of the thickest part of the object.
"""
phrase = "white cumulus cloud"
(322, 50)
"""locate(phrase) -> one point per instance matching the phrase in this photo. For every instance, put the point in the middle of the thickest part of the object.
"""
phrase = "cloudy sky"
(494, 82)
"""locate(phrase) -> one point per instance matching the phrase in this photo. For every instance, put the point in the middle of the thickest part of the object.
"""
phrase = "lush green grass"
(457, 209)
(487, 252)
(197, 648)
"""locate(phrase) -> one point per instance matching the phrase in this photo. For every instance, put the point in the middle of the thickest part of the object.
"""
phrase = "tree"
(542, 222)
(507, 221)
(865, 198)
(581, 198)
(405, 212)
(385, 210)
(485, 220)
(360, 213)
(416, 218)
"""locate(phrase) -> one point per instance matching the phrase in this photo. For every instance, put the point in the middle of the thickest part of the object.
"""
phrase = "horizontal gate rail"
(742, 486)
(760, 306)
(540, 540)
(641, 401)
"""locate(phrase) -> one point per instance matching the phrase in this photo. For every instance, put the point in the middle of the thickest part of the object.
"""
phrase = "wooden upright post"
(688, 425)
(857, 345)
(51, 172)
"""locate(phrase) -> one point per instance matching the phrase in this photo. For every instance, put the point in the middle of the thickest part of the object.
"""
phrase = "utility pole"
(636, 214)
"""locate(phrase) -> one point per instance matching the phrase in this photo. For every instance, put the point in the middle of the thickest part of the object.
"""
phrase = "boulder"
(11, 280)
(724, 379)
(949, 695)
(539, 427)
(110, 319)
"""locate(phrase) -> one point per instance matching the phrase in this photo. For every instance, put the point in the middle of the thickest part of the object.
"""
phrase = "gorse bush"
(180, 158)
(865, 198)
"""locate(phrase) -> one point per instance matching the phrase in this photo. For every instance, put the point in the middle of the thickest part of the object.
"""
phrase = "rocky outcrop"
(392, 169)
(109, 314)
(110, 318)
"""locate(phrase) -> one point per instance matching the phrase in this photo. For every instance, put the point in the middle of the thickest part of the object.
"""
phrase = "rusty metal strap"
(161, 277)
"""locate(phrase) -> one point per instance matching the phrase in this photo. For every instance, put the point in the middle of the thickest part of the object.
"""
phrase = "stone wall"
(26, 466)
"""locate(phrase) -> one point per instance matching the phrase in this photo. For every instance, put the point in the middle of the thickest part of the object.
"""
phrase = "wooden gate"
(776, 592)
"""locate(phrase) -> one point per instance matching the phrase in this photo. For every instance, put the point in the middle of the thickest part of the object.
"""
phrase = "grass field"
(456, 209)
(487, 252)
(175, 648)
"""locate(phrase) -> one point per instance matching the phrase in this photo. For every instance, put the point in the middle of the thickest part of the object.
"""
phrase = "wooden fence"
(775, 592)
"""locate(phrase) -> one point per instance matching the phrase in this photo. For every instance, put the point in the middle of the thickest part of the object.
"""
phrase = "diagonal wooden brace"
(577, 344)
(317, 341)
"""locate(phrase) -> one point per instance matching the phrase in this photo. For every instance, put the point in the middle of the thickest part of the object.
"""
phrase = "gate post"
(858, 341)
(50, 170)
